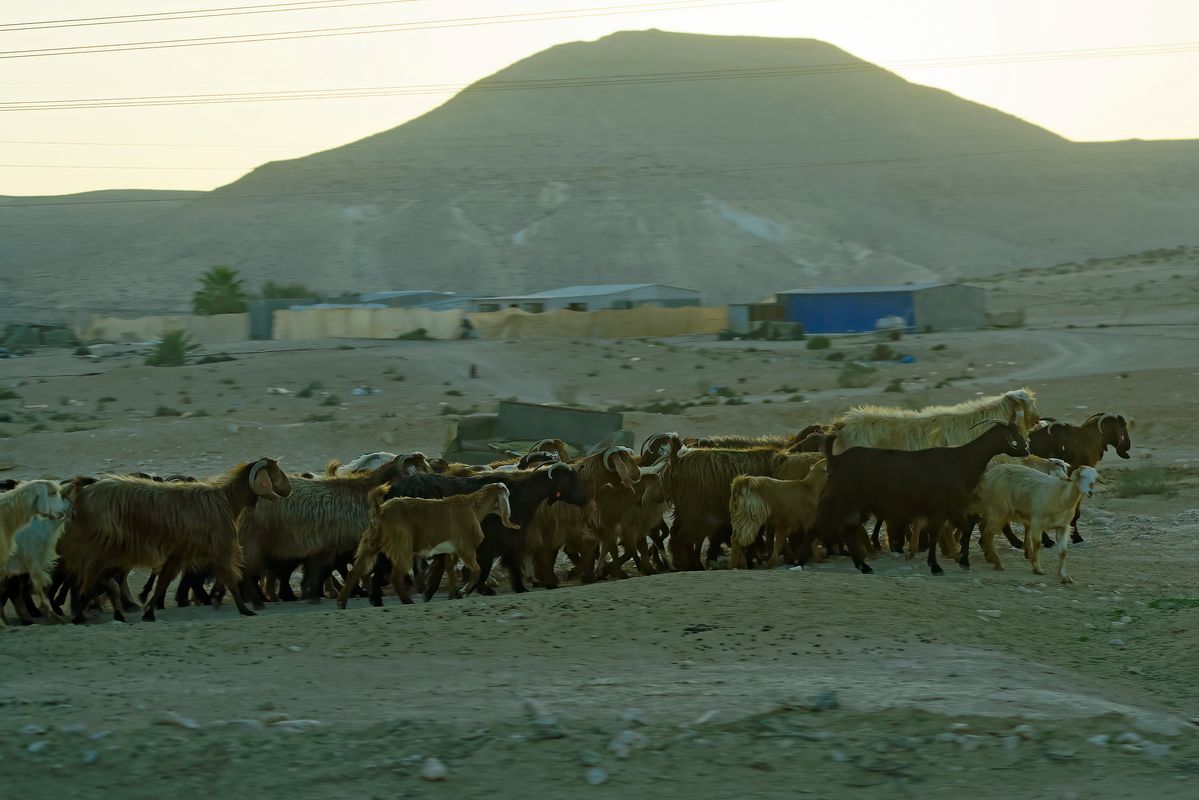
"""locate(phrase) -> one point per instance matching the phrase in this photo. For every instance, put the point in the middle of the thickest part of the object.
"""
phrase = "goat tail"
(747, 511)
(332, 467)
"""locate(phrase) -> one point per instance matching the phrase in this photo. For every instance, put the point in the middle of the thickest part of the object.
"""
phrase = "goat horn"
(988, 419)
(554, 465)
(611, 451)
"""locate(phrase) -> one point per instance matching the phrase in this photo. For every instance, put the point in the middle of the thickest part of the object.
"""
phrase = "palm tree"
(221, 292)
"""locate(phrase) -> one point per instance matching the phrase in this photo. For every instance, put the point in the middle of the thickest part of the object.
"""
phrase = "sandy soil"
(817, 683)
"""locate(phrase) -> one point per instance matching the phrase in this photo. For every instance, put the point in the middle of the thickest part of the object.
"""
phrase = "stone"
(596, 776)
(171, 718)
(91, 757)
(1100, 740)
(38, 746)
(1025, 731)
(434, 770)
(33, 729)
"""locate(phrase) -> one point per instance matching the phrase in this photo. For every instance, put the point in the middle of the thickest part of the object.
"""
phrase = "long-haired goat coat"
(783, 506)
(1040, 502)
(404, 527)
(120, 523)
(22, 505)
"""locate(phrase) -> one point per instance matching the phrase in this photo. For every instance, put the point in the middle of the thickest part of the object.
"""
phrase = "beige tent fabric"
(365, 323)
(217, 329)
(514, 323)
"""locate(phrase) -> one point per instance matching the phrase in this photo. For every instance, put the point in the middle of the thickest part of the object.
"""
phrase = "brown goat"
(565, 525)
(120, 523)
(404, 527)
(322, 519)
(784, 507)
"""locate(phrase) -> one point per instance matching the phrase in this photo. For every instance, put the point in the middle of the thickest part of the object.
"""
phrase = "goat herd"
(929, 476)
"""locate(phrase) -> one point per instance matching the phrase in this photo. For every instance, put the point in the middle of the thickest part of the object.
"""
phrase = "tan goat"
(404, 527)
(783, 506)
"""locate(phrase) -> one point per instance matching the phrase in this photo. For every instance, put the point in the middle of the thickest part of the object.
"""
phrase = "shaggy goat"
(932, 426)
(566, 526)
(321, 520)
(404, 527)
(31, 519)
(782, 506)
(34, 554)
(528, 491)
(698, 482)
(936, 484)
(1040, 502)
(120, 523)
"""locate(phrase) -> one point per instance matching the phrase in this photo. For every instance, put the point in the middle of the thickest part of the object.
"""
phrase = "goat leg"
(147, 587)
(437, 570)
(1075, 536)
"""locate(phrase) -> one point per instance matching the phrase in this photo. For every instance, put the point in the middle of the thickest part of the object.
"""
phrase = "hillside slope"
(737, 185)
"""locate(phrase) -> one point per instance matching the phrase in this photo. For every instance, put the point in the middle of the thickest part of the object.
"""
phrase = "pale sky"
(1149, 94)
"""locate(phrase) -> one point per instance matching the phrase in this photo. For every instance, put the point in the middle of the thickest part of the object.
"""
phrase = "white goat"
(1040, 502)
(21, 505)
(35, 553)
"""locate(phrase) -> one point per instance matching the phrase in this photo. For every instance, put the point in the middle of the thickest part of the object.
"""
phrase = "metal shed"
(857, 309)
(594, 298)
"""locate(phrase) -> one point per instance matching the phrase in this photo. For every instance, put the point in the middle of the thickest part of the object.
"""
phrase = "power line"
(626, 79)
(199, 13)
(317, 33)
(541, 181)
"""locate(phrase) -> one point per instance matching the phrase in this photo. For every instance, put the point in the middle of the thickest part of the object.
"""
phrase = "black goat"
(1081, 446)
(936, 484)
(526, 490)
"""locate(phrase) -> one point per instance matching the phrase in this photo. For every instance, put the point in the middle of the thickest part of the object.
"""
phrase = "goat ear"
(260, 479)
(42, 501)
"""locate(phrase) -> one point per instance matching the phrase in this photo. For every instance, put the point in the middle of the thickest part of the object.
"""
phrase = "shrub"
(220, 292)
(1145, 481)
(819, 343)
(896, 385)
(82, 351)
(940, 346)
(894, 335)
(310, 388)
(882, 352)
(462, 412)
(855, 376)
(9, 394)
(724, 391)
(106, 399)
(331, 400)
(418, 335)
(344, 347)
(398, 378)
(836, 355)
(167, 411)
(453, 393)
(319, 417)
(172, 351)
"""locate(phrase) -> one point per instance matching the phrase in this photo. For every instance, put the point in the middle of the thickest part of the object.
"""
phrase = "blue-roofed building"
(594, 298)
(857, 309)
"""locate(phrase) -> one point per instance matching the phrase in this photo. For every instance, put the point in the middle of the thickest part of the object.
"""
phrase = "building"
(594, 298)
(411, 298)
(856, 309)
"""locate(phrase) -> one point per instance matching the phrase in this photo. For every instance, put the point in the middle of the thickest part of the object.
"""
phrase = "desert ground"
(820, 683)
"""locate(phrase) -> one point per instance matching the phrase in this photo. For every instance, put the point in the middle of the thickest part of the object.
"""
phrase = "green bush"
(418, 335)
(221, 292)
(167, 411)
(896, 385)
(855, 376)
(1145, 481)
(319, 418)
(312, 386)
(172, 351)
(215, 359)
(9, 394)
(331, 400)
(835, 355)
(819, 343)
(883, 352)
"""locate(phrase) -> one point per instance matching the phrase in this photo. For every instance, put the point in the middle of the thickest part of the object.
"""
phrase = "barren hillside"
(675, 168)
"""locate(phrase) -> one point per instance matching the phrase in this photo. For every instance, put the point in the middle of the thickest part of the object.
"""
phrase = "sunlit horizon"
(1061, 68)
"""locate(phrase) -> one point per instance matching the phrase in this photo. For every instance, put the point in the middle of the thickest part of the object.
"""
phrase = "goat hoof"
(1076, 539)
(147, 617)
(964, 563)
(487, 590)
(866, 569)
(314, 600)
(245, 612)
(936, 570)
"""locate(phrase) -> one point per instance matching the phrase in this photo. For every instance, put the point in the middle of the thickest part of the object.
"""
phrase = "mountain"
(642, 156)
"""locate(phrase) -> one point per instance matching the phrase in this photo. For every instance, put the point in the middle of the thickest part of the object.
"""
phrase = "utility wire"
(199, 13)
(318, 33)
(625, 79)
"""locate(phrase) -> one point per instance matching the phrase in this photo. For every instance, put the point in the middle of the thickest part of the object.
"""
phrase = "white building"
(594, 298)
